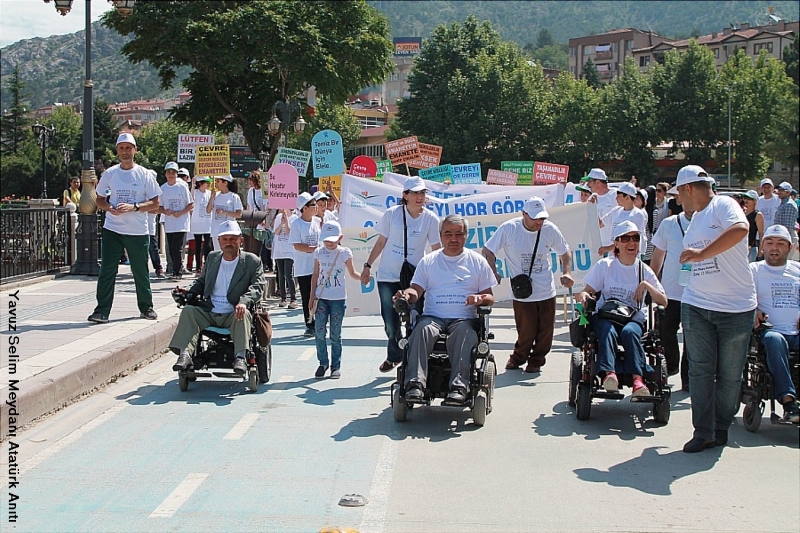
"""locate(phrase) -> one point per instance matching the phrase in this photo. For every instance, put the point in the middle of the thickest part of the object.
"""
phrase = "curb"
(59, 386)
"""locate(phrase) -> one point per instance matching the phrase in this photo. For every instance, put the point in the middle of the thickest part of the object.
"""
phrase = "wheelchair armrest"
(484, 310)
(764, 326)
(661, 311)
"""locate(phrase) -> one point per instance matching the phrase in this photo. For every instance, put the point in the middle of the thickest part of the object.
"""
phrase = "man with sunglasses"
(718, 305)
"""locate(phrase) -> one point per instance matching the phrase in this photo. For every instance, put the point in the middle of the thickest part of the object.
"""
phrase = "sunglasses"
(629, 238)
(310, 205)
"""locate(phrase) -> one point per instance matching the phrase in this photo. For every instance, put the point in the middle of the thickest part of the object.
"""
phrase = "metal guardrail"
(34, 241)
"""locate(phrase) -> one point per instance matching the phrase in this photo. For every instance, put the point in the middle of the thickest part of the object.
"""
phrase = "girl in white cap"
(224, 205)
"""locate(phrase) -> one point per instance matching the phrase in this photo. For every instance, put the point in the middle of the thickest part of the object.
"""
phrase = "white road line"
(281, 384)
(307, 354)
(374, 519)
(241, 427)
(47, 453)
(180, 495)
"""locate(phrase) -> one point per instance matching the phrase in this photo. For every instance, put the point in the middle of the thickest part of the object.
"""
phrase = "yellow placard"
(213, 160)
(335, 184)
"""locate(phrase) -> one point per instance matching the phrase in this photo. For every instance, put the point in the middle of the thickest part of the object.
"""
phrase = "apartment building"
(608, 50)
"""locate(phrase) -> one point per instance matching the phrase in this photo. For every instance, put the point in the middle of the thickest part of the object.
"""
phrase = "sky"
(25, 19)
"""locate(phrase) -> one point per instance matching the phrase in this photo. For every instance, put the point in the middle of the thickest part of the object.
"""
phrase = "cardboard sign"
(402, 150)
(335, 183)
(440, 174)
(214, 160)
(326, 148)
(283, 186)
(467, 173)
(363, 167)
(429, 156)
(501, 177)
(384, 165)
(187, 143)
(523, 169)
(299, 159)
(546, 173)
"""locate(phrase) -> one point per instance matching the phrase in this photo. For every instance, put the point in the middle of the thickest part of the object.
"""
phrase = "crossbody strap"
(535, 248)
(678, 219)
(330, 270)
(405, 234)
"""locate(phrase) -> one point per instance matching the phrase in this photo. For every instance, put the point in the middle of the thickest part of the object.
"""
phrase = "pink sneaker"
(639, 388)
(611, 383)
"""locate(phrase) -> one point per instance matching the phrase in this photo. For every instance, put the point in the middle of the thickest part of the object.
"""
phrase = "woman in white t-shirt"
(404, 231)
(223, 205)
(625, 210)
(304, 237)
(255, 201)
(200, 223)
(283, 255)
(625, 278)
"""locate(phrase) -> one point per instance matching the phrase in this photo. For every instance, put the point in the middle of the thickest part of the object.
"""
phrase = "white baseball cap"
(414, 184)
(183, 172)
(535, 208)
(172, 165)
(690, 174)
(229, 227)
(126, 138)
(597, 174)
(777, 230)
(319, 195)
(226, 177)
(643, 194)
(625, 227)
(628, 188)
(786, 186)
(331, 231)
(766, 181)
(302, 199)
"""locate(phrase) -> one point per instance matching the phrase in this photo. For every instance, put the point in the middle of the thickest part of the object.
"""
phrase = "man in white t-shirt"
(534, 315)
(232, 281)
(768, 202)
(778, 293)
(455, 282)
(718, 306)
(175, 203)
(605, 198)
(126, 192)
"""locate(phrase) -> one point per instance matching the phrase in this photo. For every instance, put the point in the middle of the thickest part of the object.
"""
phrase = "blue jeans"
(153, 250)
(776, 348)
(630, 336)
(391, 320)
(717, 345)
(335, 310)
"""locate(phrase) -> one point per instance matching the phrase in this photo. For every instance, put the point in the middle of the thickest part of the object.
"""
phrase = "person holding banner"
(406, 228)
(304, 236)
(225, 205)
(283, 255)
(526, 242)
(256, 202)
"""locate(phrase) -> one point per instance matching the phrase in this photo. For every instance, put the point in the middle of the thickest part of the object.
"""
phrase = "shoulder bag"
(407, 270)
(616, 311)
(263, 324)
(521, 286)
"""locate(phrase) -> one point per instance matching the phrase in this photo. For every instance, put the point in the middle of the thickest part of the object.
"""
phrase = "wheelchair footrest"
(646, 399)
(228, 375)
(445, 403)
(775, 419)
(608, 395)
(192, 374)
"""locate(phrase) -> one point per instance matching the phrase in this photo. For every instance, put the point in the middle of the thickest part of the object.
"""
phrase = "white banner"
(363, 202)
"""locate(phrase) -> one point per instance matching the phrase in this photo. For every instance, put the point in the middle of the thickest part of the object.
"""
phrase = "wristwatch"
(367, 265)
(135, 207)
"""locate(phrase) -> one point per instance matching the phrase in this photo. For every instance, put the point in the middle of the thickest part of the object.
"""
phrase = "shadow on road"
(434, 424)
(378, 386)
(203, 391)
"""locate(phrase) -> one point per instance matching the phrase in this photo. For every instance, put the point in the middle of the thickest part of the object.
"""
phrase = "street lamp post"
(43, 135)
(66, 156)
(274, 125)
(87, 231)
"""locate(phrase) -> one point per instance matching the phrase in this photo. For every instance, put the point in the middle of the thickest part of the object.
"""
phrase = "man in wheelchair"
(455, 282)
(778, 295)
(231, 283)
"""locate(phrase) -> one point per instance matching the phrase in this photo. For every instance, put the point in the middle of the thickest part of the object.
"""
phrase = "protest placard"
(214, 160)
(299, 159)
(467, 173)
(187, 143)
(523, 169)
(501, 177)
(326, 148)
(546, 173)
(384, 165)
(282, 186)
(363, 167)
(333, 183)
(440, 174)
(429, 156)
(402, 150)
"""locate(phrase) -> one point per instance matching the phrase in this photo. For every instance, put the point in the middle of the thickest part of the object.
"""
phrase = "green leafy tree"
(791, 56)
(476, 96)
(158, 143)
(106, 131)
(247, 55)
(552, 56)
(544, 38)
(591, 75)
(14, 122)
(68, 134)
(18, 173)
(783, 137)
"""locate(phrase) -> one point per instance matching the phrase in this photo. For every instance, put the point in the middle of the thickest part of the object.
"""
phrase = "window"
(603, 51)
(572, 52)
(716, 53)
(644, 61)
(629, 45)
(572, 70)
(588, 49)
(757, 48)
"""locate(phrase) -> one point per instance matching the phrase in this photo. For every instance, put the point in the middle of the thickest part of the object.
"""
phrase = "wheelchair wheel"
(575, 371)
(479, 408)
(264, 363)
(584, 401)
(183, 383)
(661, 411)
(399, 407)
(491, 372)
(752, 415)
(252, 383)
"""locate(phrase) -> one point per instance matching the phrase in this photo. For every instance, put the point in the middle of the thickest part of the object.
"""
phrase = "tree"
(552, 56)
(14, 123)
(791, 56)
(68, 133)
(783, 137)
(106, 131)
(247, 55)
(591, 75)
(543, 38)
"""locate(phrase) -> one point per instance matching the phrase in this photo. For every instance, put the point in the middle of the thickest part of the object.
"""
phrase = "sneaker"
(309, 333)
(149, 314)
(336, 374)
(611, 383)
(456, 395)
(386, 366)
(414, 392)
(320, 373)
(639, 388)
(791, 412)
(282, 303)
(160, 274)
(98, 318)
(240, 366)
(292, 305)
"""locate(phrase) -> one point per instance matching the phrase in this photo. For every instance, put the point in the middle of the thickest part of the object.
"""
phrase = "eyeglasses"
(310, 204)
(629, 238)
(661, 190)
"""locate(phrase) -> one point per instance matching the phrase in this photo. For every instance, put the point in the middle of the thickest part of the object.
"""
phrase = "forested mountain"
(53, 67)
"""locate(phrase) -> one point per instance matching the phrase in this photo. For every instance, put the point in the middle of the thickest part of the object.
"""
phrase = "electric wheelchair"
(482, 370)
(214, 353)
(585, 384)
(757, 384)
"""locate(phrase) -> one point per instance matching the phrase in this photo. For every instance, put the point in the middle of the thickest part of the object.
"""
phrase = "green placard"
(524, 170)
(384, 165)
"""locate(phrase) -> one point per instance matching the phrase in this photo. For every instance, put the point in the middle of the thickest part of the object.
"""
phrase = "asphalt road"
(142, 456)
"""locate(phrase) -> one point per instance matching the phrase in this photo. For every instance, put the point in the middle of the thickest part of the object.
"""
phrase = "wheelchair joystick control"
(402, 307)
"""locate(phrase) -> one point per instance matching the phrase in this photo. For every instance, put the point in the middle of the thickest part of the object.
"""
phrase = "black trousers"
(176, 241)
(202, 247)
(668, 333)
(304, 283)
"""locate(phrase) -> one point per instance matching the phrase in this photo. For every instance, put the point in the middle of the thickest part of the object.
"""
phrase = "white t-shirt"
(618, 215)
(619, 281)
(151, 223)
(228, 201)
(516, 243)
(669, 238)
(219, 296)
(255, 200)
(330, 216)
(332, 287)
(303, 232)
(281, 246)
(422, 230)
(132, 186)
(723, 283)
(448, 281)
(175, 198)
(200, 222)
(778, 290)
(767, 208)
(606, 203)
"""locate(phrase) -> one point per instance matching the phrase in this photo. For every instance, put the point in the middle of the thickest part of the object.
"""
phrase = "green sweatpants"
(137, 248)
